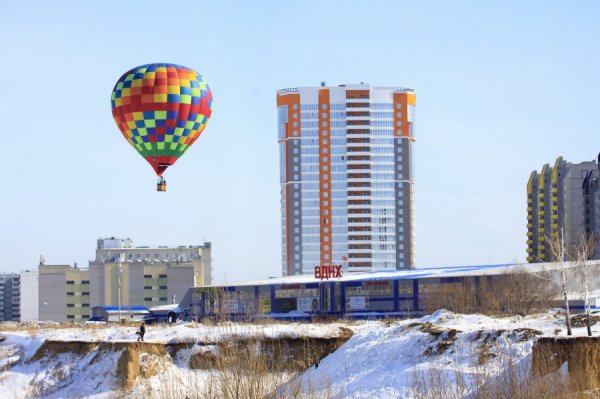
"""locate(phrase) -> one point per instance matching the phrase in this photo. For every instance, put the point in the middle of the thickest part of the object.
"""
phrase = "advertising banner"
(285, 305)
(264, 305)
(308, 305)
(357, 303)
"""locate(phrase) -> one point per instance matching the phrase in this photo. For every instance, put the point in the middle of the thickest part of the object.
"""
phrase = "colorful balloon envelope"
(161, 110)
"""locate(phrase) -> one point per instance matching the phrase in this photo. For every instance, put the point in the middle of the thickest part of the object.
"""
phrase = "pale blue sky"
(502, 88)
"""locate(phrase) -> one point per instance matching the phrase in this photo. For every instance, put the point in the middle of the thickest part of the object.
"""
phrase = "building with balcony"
(562, 198)
(347, 177)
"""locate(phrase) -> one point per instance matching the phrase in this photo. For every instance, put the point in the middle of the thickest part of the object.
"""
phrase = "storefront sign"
(325, 272)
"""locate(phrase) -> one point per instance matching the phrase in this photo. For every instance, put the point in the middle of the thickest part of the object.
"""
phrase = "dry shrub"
(516, 293)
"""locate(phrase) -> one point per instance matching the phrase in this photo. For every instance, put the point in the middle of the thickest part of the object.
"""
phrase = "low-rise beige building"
(64, 293)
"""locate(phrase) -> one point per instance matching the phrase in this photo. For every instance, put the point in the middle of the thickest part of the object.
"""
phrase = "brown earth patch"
(292, 354)
(130, 366)
(443, 338)
(52, 348)
(582, 355)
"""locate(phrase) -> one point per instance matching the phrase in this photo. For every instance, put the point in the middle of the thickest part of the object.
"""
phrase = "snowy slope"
(382, 359)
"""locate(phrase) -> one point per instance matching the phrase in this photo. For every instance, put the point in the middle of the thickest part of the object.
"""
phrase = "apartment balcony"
(357, 195)
(359, 186)
(358, 251)
(358, 150)
(359, 256)
(355, 164)
(363, 101)
(359, 237)
(359, 247)
(358, 167)
(351, 129)
(356, 118)
(362, 178)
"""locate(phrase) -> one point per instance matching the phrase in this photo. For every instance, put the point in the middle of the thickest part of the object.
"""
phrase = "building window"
(85, 281)
(70, 316)
(147, 287)
(148, 299)
(85, 305)
(162, 287)
(85, 293)
(163, 299)
(147, 276)
(162, 276)
(70, 305)
(70, 282)
(70, 294)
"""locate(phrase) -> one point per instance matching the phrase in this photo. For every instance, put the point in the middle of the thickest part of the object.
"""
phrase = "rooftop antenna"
(42, 260)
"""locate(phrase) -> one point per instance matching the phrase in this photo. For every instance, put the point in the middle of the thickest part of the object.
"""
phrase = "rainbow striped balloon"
(161, 110)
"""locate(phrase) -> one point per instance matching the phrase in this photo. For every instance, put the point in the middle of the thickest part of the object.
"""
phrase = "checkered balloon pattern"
(161, 110)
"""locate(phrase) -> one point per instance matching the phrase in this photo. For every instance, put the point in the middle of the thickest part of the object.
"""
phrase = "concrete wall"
(30, 307)
(179, 279)
(52, 297)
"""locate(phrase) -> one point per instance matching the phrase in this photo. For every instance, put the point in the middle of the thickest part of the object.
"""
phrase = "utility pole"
(119, 286)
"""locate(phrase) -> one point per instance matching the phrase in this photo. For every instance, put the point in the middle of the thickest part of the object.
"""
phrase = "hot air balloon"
(161, 110)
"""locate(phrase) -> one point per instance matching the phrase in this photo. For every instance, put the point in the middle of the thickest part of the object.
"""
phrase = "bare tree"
(583, 251)
(560, 254)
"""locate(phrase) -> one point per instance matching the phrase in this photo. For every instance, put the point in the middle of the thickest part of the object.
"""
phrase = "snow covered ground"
(384, 359)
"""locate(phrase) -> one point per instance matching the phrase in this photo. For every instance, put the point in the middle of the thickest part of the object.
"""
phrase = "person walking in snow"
(141, 332)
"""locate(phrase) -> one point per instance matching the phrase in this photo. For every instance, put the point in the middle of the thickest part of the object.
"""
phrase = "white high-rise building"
(346, 177)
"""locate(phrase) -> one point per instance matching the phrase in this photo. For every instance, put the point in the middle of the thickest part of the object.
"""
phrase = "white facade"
(30, 309)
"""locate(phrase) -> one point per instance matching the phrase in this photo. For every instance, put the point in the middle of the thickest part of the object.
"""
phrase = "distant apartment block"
(10, 297)
(564, 197)
(347, 177)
